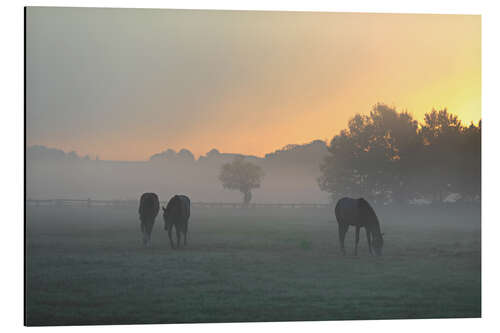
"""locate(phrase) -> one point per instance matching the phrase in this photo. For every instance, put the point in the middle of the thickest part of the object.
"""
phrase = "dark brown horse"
(149, 207)
(177, 214)
(359, 213)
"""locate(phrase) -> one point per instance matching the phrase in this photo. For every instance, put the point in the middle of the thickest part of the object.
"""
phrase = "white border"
(11, 69)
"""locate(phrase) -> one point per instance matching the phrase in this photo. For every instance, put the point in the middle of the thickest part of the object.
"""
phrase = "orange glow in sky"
(126, 84)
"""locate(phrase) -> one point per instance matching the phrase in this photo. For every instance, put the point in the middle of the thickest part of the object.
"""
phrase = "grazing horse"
(359, 213)
(177, 214)
(149, 207)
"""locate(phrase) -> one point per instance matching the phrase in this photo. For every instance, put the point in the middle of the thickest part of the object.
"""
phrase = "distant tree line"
(45, 153)
(387, 156)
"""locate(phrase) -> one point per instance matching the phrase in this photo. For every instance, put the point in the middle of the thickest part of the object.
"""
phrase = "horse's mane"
(369, 213)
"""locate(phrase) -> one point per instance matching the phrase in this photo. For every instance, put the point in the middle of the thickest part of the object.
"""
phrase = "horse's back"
(149, 205)
(180, 206)
(347, 211)
(186, 206)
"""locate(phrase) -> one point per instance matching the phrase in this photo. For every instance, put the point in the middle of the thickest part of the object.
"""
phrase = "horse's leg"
(369, 238)
(178, 232)
(170, 236)
(185, 233)
(149, 230)
(143, 232)
(357, 241)
(342, 231)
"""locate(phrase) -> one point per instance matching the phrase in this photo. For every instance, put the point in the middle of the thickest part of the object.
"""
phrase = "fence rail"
(135, 203)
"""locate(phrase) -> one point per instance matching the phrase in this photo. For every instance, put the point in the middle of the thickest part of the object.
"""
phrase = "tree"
(372, 156)
(242, 176)
(395, 135)
(186, 155)
(442, 155)
(339, 176)
(389, 155)
(470, 184)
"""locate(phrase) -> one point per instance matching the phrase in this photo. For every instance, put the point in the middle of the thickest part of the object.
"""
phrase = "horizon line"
(196, 158)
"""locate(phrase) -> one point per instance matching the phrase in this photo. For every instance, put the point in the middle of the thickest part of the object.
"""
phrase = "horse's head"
(378, 243)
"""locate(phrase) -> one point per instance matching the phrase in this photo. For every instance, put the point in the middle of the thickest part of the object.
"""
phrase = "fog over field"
(88, 266)
(290, 176)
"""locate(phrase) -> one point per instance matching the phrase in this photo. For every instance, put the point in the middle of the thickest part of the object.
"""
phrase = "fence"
(135, 203)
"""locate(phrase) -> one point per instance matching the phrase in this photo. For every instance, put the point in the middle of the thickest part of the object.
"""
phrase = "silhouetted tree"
(339, 175)
(451, 156)
(372, 156)
(38, 152)
(387, 155)
(164, 155)
(186, 155)
(395, 134)
(470, 184)
(242, 176)
(441, 134)
(304, 155)
(213, 153)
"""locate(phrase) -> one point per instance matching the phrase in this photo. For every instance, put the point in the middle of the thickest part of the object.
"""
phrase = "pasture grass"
(87, 266)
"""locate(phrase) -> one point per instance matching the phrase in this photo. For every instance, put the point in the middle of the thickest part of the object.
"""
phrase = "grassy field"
(87, 266)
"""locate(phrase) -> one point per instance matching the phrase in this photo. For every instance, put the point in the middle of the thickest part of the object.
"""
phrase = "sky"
(125, 84)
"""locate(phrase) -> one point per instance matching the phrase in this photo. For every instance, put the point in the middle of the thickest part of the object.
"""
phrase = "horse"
(359, 213)
(149, 207)
(177, 214)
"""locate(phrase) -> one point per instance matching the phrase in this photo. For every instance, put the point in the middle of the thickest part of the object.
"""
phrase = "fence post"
(89, 202)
